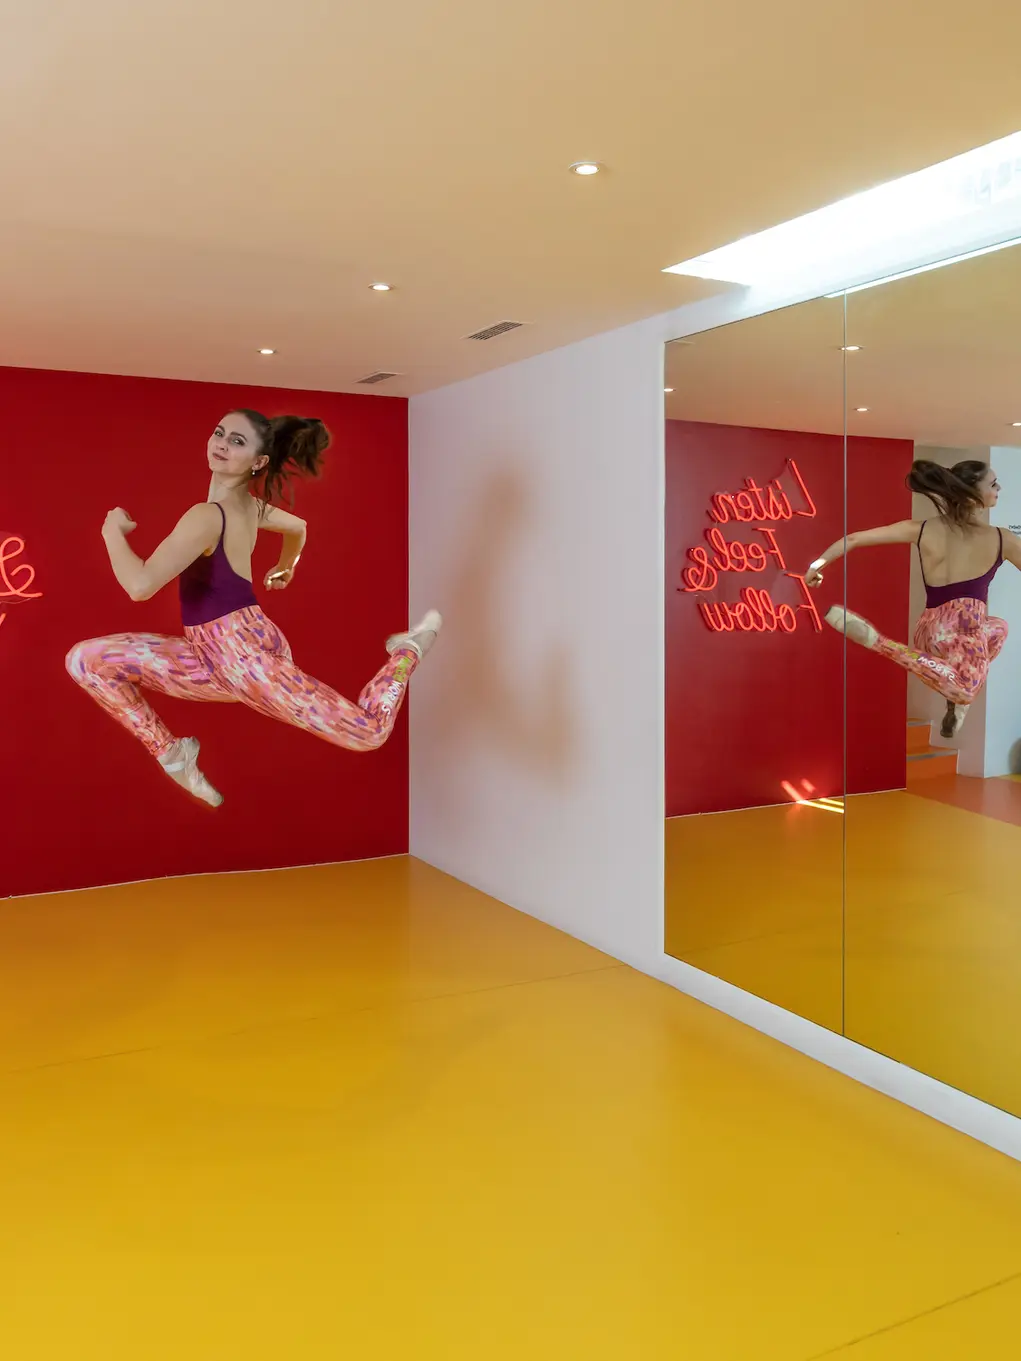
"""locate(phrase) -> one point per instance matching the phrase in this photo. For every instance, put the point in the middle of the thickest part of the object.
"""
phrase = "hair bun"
(953, 491)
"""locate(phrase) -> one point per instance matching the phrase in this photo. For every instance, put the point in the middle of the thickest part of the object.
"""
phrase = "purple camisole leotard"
(975, 589)
(210, 588)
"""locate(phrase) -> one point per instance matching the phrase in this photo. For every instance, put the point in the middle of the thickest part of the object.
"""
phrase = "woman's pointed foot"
(852, 626)
(181, 763)
(953, 720)
(420, 638)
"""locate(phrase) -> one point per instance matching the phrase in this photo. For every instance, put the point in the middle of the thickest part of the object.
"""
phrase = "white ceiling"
(939, 363)
(185, 182)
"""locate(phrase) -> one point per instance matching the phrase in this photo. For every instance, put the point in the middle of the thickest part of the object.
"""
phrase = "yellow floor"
(931, 926)
(366, 1112)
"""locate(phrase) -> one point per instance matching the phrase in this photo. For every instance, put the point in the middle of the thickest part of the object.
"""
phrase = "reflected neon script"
(760, 508)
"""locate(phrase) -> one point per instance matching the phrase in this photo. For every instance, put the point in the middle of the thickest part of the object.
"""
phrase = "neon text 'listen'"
(755, 611)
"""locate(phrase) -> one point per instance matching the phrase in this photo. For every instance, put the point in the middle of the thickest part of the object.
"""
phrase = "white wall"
(537, 724)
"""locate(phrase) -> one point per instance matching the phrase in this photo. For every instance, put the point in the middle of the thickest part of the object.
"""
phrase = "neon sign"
(755, 611)
(14, 580)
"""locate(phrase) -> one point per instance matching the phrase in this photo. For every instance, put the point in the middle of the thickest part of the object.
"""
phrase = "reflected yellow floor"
(364, 1111)
(933, 924)
(934, 941)
(756, 897)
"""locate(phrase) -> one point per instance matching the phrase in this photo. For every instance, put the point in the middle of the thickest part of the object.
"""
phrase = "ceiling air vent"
(380, 376)
(501, 328)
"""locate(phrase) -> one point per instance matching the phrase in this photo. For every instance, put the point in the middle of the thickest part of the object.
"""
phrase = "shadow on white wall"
(530, 719)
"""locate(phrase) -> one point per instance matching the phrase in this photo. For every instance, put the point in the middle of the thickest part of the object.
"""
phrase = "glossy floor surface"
(364, 1111)
(756, 897)
(921, 958)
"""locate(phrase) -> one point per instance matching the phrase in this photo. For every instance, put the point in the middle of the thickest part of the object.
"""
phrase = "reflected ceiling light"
(925, 269)
(380, 288)
(585, 168)
(267, 351)
(911, 216)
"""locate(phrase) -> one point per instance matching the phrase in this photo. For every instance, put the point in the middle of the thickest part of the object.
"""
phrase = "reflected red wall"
(746, 711)
(80, 802)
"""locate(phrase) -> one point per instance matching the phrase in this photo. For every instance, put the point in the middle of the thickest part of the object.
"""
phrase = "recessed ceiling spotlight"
(861, 408)
(585, 168)
(850, 349)
(267, 351)
(1016, 425)
(668, 389)
(380, 288)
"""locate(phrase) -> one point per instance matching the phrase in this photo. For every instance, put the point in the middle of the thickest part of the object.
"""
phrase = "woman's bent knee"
(82, 659)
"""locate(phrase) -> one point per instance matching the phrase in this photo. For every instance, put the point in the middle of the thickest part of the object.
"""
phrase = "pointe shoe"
(953, 719)
(181, 764)
(852, 626)
(420, 638)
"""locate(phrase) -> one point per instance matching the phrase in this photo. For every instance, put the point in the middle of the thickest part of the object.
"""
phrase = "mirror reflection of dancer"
(230, 651)
(955, 639)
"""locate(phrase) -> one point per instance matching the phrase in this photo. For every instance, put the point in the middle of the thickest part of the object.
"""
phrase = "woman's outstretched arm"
(196, 531)
(1011, 548)
(295, 533)
(904, 531)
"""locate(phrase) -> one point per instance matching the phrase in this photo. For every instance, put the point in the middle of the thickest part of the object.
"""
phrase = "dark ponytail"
(293, 445)
(953, 491)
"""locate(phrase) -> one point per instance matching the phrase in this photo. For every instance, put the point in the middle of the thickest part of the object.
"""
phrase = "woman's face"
(989, 489)
(233, 448)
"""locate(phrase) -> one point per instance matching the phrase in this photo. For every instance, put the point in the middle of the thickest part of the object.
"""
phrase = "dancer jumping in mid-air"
(955, 639)
(230, 650)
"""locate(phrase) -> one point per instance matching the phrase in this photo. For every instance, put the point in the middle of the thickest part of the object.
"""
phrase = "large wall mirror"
(933, 917)
(755, 475)
(844, 799)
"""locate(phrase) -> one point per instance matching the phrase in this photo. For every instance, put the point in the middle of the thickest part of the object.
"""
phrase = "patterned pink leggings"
(242, 658)
(954, 646)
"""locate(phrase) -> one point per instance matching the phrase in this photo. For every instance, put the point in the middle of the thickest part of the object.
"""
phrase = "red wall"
(81, 802)
(747, 711)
